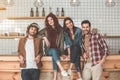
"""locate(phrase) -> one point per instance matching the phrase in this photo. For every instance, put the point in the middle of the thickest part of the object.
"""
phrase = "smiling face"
(32, 31)
(50, 21)
(69, 24)
(86, 28)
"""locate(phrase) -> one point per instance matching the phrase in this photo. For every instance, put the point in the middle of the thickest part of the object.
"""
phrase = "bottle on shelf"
(57, 12)
(43, 12)
(50, 10)
(62, 12)
(119, 52)
(31, 12)
(37, 12)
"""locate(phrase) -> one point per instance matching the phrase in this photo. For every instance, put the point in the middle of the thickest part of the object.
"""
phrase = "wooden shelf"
(111, 36)
(111, 70)
(2, 8)
(11, 37)
(27, 17)
(2, 70)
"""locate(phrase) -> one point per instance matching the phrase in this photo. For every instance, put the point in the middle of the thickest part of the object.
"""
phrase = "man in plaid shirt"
(95, 52)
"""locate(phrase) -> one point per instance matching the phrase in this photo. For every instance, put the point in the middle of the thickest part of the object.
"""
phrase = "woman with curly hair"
(53, 36)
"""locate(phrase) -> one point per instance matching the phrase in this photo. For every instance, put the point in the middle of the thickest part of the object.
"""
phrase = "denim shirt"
(77, 38)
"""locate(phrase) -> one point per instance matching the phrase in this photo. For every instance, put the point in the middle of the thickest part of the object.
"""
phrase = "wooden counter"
(9, 65)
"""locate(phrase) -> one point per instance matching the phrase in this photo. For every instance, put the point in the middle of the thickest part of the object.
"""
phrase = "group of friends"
(79, 42)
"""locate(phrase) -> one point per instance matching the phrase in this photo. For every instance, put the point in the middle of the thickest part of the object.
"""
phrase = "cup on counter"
(5, 34)
(21, 34)
(119, 52)
(105, 34)
(94, 30)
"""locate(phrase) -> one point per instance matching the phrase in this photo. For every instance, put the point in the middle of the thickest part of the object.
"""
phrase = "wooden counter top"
(9, 65)
(15, 58)
(112, 61)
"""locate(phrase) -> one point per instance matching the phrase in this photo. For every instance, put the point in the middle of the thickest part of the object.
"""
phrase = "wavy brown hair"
(56, 24)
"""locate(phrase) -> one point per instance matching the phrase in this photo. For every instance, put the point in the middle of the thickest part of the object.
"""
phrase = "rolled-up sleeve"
(103, 45)
(67, 40)
(80, 38)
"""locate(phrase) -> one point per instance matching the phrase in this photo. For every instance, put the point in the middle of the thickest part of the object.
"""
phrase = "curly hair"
(56, 24)
(32, 25)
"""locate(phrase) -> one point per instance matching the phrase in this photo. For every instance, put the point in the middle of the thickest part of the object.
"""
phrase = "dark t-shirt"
(53, 39)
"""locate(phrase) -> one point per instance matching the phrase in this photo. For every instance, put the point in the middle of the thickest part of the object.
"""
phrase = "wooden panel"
(27, 17)
(11, 37)
(105, 75)
(9, 65)
(113, 64)
(113, 57)
(111, 36)
(2, 8)
(114, 75)
(10, 76)
(47, 66)
(9, 58)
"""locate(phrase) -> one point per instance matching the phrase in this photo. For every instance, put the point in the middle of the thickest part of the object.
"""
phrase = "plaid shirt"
(98, 47)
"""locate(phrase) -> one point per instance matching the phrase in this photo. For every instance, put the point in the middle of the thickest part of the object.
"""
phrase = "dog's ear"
(94, 30)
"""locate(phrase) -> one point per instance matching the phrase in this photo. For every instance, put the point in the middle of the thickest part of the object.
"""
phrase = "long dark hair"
(56, 24)
(65, 27)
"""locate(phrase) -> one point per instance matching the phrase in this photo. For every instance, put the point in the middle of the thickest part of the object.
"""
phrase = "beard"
(86, 32)
(32, 34)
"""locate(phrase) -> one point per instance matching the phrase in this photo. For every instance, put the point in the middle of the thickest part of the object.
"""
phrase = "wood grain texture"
(9, 65)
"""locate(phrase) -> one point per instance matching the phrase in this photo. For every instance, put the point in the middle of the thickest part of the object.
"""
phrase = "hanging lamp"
(74, 3)
(110, 3)
(38, 3)
(8, 2)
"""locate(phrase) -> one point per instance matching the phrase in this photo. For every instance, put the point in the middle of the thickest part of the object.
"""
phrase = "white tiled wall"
(106, 19)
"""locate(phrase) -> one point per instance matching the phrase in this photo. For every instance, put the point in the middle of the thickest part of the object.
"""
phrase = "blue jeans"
(55, 53)
(75, 57)
(30, 74)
